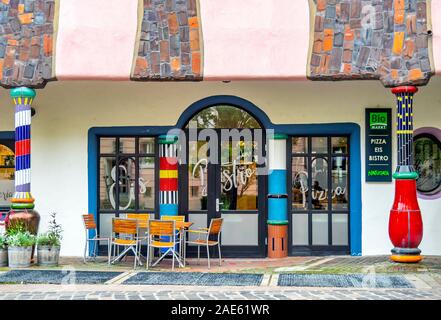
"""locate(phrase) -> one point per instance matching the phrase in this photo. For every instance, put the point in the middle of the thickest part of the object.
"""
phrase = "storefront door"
(222, 180)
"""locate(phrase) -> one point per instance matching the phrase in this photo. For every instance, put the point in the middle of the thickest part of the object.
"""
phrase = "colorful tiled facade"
(170, 43)
(26, 42)
(386, 40)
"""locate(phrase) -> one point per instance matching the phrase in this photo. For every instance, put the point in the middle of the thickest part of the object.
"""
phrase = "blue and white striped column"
(277, 197)
(23, 98)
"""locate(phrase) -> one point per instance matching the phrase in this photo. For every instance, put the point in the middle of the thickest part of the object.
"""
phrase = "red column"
(405, 222)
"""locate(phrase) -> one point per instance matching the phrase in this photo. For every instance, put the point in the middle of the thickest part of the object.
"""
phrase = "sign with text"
(378, 145)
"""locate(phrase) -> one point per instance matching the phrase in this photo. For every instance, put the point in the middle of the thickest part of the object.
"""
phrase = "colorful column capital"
(23, 98)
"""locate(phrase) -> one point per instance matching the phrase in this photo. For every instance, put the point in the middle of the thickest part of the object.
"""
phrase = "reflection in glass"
(108, 145)
(127, 145)
(300, 190)
(340, 183)
(147, 183)
(197, 175)
(223, 117)
(107, 183)
(239, 185)
(7, 175)
(319, 193)
(428, 164)
(147, 145)
(299, 145)
(127, 170)
(339, 145)
(233, 227)
(319, 145)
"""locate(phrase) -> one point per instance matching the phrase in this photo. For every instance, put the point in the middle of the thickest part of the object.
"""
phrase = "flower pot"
(3, 257)
(19, 257)
(48, 255)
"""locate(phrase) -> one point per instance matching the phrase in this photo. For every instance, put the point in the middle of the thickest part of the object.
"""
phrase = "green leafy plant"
(53, 236)
(3, 241)
(20, 239)
(15, 227)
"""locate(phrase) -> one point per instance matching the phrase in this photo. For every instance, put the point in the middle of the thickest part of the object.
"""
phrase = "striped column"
(277, 198)
(405, 222)
(168, 175)
(23, 98)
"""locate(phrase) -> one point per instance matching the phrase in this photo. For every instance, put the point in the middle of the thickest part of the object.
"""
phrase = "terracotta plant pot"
(19, 257)
(3, 257)
(48, 255)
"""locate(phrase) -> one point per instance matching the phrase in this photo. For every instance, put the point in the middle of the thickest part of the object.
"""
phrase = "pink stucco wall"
(246, 39)
(253, 39)
(96, 39)
(436, 29)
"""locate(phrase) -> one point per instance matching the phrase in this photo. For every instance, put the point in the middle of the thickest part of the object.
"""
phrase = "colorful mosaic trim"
(371, 39)
(23, 98)
(26, 42)
(168, 176)
(169, 43)
(405, 169)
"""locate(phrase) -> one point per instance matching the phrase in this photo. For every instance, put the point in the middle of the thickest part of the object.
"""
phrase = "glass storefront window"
(198, 175)
(300, 192)
(223, 117)
(427, 161)
(299, 145)
(127, 177)
(319, 188)
(7, 175)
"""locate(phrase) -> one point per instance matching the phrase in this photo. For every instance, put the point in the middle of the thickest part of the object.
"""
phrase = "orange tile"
(321, 5)
(398, 11)
(347, 68)
(194, 39)
(328, 40)
(26, 18)
(12, 42)
(196, 63)
(173, 26)
(398, 42)
(415, 74)
(409, 48)
(6, 1)
(47, 44)
(1, 69)
(175, 64)
(193, 22)
(394, 74)
(21, 8)
(142, 64)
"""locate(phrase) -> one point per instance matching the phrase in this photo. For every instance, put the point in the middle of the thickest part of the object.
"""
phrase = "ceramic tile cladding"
(170, 44)
(26, 42)
(371, 39)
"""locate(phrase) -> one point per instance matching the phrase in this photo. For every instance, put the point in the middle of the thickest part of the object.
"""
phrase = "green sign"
(378, 120)
(378, 145)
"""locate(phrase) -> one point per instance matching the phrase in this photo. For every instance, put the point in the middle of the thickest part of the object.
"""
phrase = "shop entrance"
(222, 178)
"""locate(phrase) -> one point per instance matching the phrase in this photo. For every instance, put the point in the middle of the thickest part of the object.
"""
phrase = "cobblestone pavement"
(33, 292)
(425, 277)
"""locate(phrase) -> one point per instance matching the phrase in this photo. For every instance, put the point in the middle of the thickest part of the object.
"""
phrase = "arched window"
(7, 174)
(428, 163)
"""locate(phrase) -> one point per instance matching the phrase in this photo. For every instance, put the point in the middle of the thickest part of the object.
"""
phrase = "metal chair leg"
(199, 253)
(220, 257)
(208, 256)
(148, 257)
(85, 250)
(108, 252)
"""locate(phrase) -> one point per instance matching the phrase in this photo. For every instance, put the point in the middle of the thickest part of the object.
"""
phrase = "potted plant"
(20, 242)
(3, 251)
(48, 244)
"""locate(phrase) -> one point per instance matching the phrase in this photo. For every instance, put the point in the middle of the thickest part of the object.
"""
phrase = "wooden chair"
(203, 239)
(90, 224)
(179, 236)
(125, 233)
(162, 235)
(143, 225)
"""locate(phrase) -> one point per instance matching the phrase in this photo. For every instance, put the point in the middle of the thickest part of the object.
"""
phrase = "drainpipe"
(405, 222)
(277, 198)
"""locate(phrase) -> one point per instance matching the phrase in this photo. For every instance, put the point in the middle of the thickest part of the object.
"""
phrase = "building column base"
(277, 240)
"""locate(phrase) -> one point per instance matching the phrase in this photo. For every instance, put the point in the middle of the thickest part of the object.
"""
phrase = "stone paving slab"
(343, 280)
(195, 279)
(56, 276)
